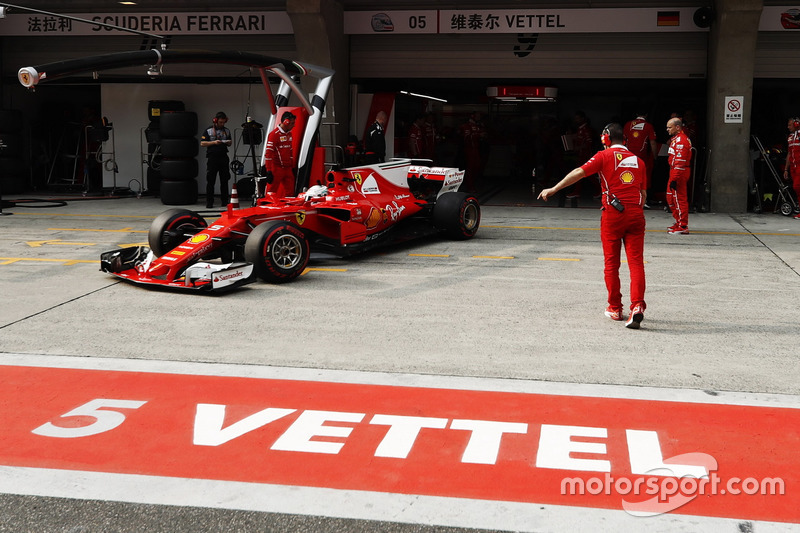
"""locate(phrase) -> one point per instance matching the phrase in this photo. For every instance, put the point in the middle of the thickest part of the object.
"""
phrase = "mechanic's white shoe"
(635, 320)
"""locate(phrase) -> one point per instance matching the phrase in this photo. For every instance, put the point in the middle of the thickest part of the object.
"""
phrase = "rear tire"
(278, 250)
(457, 214)
(172, 227)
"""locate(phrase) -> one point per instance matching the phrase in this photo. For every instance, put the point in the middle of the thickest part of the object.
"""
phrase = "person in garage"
(640, 138)
(216, 141)
(375, 141)
(680, 170)
(279, 157)
(792, 169)
(622, 182)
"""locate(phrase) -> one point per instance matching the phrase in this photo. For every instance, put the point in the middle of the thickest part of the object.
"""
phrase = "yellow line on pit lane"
(123, 230)
(307, 270)
(148, 217)
(664, 231)
(65, 262)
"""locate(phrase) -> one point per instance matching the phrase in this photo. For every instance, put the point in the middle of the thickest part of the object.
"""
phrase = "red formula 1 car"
(341, 211)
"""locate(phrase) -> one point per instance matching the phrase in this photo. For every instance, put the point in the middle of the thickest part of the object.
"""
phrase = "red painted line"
(486, 445)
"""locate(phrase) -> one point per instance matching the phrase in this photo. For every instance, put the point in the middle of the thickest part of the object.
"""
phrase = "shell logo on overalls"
(626, 177)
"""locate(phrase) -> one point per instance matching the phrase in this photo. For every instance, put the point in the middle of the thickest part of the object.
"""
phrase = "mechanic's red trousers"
(618, 228)
(677, 198)
(794, 174)
(282, 182)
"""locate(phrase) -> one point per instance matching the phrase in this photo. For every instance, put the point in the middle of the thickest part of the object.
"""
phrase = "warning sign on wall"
(733, 109)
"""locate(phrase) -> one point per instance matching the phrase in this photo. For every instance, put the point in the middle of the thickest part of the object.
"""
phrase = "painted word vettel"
(459, 443)
(310, 429)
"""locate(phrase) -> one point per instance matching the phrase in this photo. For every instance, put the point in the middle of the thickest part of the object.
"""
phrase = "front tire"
(457, 214)
(172, 227)
(278, 250)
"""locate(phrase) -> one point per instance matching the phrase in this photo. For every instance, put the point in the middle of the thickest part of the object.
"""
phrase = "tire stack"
(12, 163)
(155, 109)
(179, 148)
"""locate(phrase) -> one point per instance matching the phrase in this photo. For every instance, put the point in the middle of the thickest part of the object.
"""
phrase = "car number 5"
(105, 420)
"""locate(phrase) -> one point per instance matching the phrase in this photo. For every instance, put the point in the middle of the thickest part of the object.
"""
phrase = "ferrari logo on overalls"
(300, 216)
(619, 157)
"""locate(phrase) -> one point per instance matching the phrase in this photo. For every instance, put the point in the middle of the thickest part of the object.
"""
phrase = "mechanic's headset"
(218, 117)
(796, 123)
(605, 137)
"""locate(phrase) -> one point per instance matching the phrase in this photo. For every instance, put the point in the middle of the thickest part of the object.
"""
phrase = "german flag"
(669, 18)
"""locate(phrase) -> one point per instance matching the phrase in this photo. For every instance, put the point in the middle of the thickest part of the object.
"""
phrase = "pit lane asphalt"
(522, 300)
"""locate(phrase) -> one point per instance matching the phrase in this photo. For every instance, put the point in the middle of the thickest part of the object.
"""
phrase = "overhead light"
(424, 96)
(3, 12)
(522, 93)
(128, 3)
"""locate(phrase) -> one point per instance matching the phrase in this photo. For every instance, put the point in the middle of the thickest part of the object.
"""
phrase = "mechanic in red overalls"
(680, 170)
(640, 138)
(622, 180)
(279, 157)
(416, 138)
(792, 169)
(473, 135)
(583, 144)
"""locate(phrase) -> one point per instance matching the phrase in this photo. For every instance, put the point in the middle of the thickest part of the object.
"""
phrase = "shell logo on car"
(197, 239)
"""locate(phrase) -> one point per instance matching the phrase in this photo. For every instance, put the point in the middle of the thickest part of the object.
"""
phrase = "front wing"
(131, 265)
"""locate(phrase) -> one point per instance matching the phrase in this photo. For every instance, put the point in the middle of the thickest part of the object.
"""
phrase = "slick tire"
(179, 169)
(278, 251)
(457, 214)
(187, 147)
(172, 227)
(182, 192)
(178, 125)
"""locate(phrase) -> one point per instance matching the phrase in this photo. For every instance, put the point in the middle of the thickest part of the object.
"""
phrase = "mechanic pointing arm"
(623, 181)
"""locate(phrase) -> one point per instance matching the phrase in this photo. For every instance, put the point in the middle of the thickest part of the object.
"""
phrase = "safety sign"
(733, 109)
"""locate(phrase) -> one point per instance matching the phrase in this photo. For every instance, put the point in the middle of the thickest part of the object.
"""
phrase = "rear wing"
(286, 70)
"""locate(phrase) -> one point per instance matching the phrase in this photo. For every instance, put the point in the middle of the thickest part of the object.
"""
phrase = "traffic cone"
(234, 197)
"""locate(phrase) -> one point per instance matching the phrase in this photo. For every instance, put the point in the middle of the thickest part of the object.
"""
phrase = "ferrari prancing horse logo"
(300, 216)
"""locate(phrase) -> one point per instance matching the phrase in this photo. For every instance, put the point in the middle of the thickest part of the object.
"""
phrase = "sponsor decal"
(341, 199)
(454, 178)
(628, 162)
(370, 186)
(790, 19)
(626, 177)
(177, 252)
(300, 216)
(357, 177)
(200, 237)
(184, 247)
(167, 258)
(401, 196)
(394, 210)
(228, 276)
(373, 219)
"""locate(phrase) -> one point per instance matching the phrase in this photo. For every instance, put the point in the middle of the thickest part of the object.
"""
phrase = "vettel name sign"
(486, 445)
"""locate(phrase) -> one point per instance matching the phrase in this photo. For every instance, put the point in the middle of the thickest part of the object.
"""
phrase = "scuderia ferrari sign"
(269, 22)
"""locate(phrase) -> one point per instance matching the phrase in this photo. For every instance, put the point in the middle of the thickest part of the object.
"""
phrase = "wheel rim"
(287, 251)
(470, 216)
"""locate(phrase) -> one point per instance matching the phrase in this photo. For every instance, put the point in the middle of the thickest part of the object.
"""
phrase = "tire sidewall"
(258, 250)
(171, 219)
